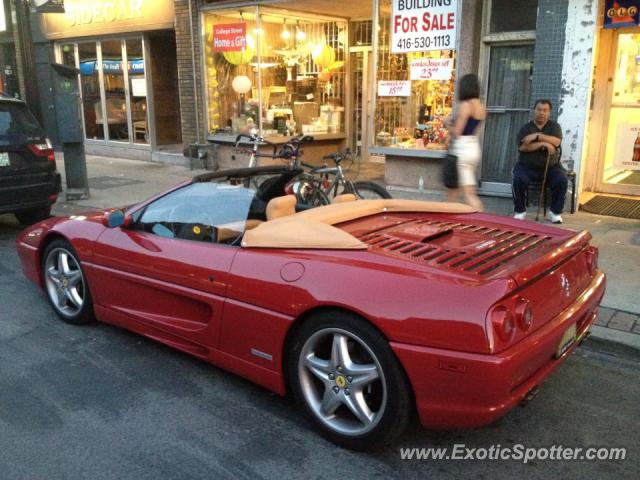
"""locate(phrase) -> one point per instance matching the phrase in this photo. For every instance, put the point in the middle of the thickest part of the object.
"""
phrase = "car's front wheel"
(66, 284)
(342, 370)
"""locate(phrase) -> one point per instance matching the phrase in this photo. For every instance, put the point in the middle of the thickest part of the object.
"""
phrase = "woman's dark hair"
(469, 87)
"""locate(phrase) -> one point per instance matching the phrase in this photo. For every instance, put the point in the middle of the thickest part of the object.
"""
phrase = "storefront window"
(274, 71)
(115, 100)
(90, 88)
(411, 105)
(125, 90)
(137, 90)
(513, 15)
(68, 54)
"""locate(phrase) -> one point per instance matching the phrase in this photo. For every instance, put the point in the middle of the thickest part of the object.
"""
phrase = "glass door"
(619, 170)
(508, 108)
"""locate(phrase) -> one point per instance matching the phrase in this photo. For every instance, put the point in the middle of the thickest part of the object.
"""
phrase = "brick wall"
(549, 51)
(188, 96)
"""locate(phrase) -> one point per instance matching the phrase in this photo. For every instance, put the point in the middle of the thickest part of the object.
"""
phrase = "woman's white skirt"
(467, 149)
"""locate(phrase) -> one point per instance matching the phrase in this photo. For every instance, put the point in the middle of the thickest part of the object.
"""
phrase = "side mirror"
(115, 219)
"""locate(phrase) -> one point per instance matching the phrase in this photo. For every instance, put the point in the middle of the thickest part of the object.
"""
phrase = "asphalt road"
(97, 402)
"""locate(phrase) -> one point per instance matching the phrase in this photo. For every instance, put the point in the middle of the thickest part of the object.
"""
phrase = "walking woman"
(464, 140)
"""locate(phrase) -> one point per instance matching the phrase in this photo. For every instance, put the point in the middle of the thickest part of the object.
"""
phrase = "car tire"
(366, 403)
(65, 283)
(28, 217)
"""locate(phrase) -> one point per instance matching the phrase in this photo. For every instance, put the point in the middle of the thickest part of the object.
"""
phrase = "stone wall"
(191, 104)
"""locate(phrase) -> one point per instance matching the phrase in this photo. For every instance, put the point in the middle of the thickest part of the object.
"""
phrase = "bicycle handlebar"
(255, 140)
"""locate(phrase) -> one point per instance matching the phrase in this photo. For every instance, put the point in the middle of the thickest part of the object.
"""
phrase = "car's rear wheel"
(342, 370)
(34, 215)
(66, 284)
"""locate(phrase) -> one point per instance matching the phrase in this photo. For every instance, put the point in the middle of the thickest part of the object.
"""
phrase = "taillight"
(503, 323)
(43, 150)
(524, 314)
(592, 260)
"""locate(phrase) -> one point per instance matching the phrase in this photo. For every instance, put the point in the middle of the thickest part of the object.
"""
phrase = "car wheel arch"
(48, 239)
(319, 310)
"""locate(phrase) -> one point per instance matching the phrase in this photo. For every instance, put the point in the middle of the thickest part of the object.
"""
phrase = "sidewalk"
(116, 182)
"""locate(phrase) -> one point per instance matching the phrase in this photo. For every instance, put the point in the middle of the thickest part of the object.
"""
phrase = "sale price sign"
(431, 69)
(229, 37)
(394, 88)
(423, 25)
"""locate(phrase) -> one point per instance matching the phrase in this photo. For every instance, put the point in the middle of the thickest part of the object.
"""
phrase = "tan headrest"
(281, 207)
(345, 197)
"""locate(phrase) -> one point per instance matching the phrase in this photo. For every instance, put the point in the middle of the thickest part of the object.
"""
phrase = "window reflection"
(116, 105)
(90, 87)
(137, 91)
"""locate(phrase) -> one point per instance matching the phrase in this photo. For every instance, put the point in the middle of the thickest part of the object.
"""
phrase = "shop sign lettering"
(431, 69)
(80, 12)
(230, 37)
(621, 13)
(394, 88)
(423, 25)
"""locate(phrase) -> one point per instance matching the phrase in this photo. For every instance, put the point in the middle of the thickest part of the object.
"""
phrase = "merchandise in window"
(414, 93)
(277, 73)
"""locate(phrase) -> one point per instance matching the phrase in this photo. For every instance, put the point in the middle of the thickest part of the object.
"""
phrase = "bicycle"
(340, 184)
(314, 188)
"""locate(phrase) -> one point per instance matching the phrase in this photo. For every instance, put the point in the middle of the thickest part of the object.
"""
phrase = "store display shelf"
(277, 139)
(408, 152)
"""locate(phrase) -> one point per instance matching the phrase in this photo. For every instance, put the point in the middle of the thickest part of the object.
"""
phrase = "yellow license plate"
(567, 340)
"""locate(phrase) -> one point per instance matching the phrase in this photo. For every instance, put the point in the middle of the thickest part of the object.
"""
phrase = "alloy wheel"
(64, 282)
(342, 381)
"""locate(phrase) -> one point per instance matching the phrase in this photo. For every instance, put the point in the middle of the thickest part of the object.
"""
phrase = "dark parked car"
(29, 181)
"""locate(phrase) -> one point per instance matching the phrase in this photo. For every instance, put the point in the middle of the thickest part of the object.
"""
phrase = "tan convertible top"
(314, 228)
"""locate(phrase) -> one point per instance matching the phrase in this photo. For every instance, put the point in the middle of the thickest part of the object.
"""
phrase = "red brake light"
(43, 150)
(524, 314)
(503, 323)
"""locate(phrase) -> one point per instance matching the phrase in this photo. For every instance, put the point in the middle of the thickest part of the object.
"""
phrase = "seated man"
(535, 140)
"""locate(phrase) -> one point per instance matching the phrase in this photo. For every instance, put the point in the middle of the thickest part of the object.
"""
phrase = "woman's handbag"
(450, 171)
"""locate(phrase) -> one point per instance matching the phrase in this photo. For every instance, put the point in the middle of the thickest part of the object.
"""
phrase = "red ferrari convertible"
(367, 311)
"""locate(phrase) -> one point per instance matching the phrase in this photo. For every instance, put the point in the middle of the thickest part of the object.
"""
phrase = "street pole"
(25, 59)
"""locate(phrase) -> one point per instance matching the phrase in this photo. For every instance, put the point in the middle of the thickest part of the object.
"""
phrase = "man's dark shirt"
(536, 160)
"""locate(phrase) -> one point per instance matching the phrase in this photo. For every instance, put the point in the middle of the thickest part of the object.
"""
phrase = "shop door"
(619, 158)
(361, 101)
(508, 108)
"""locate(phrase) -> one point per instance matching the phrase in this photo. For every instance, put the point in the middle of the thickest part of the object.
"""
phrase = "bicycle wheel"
(308, 192)
(370, 191)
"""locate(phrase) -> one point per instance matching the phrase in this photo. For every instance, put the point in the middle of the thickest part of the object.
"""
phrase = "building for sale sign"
(423, 25)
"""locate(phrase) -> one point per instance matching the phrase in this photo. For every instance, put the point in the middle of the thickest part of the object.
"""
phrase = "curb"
(615, 336)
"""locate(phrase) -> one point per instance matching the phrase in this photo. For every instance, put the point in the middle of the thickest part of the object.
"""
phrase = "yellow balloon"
(323, 55)
(239, 58)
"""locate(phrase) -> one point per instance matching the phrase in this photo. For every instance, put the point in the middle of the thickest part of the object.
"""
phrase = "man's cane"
(544, 184)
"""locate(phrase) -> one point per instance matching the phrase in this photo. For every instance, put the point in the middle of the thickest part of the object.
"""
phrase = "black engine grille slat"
(506, 246)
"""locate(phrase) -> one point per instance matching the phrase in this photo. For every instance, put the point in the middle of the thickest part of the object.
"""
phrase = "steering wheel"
(190, 216)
